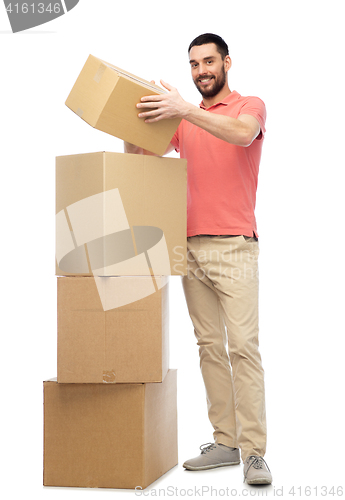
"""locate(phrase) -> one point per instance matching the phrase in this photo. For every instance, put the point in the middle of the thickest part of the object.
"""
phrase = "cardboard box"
(109, 436)
(121, 214)
(112, 330)
(106, 96)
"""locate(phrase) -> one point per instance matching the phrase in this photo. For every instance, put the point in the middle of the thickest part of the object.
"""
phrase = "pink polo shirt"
(221, 177)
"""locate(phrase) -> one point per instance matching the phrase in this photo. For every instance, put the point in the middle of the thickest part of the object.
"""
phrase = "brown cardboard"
(106, 96)
(120, 214)
(112, 330)
(109, 436)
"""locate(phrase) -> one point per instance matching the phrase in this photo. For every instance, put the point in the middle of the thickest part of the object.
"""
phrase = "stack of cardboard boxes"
(110, 417)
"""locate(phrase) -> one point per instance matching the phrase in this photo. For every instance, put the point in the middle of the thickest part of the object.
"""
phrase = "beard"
(213, 88)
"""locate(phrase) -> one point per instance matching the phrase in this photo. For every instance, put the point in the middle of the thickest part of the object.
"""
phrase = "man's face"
(208, 69)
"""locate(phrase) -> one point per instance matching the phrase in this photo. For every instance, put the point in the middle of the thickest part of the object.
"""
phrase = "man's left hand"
(162, 106)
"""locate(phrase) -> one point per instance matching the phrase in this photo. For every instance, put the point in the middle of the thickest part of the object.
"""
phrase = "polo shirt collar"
(233, 96)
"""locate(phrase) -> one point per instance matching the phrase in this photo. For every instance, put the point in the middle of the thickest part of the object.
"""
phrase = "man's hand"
(166, 106)
(131, 148)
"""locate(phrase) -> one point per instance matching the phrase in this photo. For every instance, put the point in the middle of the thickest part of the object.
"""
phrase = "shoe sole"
(259, 480)
(206, 467)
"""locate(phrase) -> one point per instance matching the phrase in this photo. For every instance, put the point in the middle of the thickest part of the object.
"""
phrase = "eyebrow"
(204, 59)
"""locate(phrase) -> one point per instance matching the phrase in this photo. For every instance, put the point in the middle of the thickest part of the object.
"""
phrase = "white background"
(291, 55)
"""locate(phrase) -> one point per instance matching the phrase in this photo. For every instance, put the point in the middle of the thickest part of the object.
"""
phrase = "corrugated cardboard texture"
(156, 458)
(109, 436)
(106, 96)
(126, 344)
(120, 214)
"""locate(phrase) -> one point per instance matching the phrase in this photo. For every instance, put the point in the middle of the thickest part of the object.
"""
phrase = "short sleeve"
(254, 106)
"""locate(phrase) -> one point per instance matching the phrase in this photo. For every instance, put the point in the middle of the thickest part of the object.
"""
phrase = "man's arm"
(239, 131)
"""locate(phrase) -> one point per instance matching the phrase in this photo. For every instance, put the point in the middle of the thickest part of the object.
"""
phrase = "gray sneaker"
(213, 455)
(256, 471)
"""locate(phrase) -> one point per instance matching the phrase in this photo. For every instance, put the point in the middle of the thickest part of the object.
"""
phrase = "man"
(222, 141)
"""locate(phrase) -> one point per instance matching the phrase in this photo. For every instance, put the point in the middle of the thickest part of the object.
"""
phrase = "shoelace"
(257, 463)
(207, 447)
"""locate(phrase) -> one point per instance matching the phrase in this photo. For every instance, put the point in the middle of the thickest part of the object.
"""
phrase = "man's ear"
(227, 63)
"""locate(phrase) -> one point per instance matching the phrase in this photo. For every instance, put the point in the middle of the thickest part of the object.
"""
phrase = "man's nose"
(202, 69)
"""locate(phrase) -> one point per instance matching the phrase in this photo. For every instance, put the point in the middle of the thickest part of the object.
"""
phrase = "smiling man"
(222, 142)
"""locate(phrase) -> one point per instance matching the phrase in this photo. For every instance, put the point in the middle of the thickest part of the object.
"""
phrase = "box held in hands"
(105, 96)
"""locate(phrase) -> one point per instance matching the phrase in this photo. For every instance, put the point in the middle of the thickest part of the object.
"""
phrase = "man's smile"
(205, 79)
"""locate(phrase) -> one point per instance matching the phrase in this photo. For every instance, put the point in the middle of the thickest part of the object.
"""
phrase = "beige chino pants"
(221, 291)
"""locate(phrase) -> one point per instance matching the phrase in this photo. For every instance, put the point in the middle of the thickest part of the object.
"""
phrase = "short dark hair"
(222, 47)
